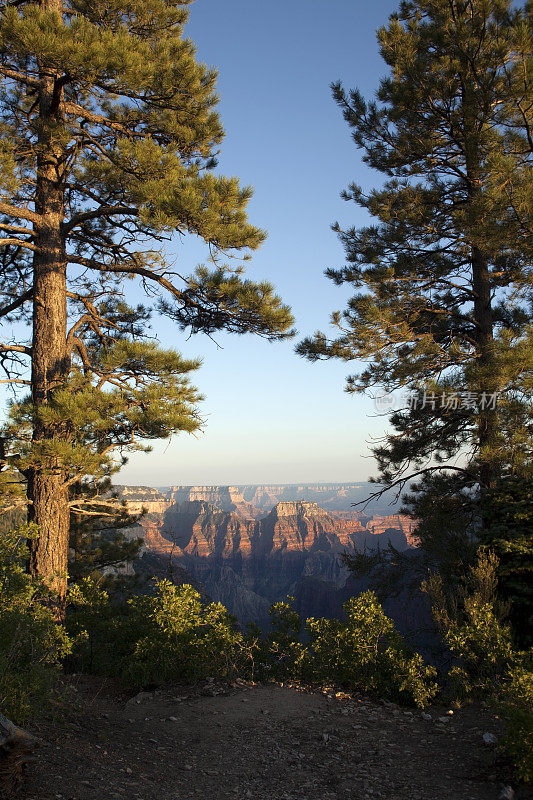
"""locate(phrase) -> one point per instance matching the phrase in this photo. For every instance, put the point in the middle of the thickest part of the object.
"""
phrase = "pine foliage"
(110, 137)
(442, 276)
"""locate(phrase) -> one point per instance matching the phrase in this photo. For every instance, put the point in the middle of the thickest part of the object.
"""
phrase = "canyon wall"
(248, 563)
(256, 500)
(250, 546)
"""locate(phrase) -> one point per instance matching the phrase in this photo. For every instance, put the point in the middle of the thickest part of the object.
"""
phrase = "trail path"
(254, 742)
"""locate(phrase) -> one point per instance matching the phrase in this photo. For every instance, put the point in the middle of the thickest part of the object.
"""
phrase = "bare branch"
(402, 481)
(16, 303)
(17, 229)
(15, 348)
(128, 269)
(103, 211)
(17, 243)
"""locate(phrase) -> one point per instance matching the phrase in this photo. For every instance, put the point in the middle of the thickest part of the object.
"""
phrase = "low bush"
(365, 652)
(473, 626)
(515, 705)
(187, 640)
(282, 651)
(168, 636)
(172, 635)
(32, 644)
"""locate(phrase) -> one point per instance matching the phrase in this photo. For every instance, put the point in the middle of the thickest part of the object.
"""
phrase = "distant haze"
(251, 500)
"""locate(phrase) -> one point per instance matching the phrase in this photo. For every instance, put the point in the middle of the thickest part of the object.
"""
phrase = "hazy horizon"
(234, 484)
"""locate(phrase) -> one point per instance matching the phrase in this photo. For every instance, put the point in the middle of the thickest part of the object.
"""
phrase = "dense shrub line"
(171, 635)
(32, 645)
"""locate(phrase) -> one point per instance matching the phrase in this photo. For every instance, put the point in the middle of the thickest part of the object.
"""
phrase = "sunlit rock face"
(226, 498)
(143, 498)
(247, 563)
(304, 526)
(250, 546)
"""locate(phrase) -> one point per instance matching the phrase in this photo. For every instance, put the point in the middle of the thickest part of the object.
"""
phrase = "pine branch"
(129, 269)
(103, 211)
(21, 77)
(407, 479)
(16, 303)
(17, 243)
(15, 348)
(96, 119)
(20, 213)
(17, 229)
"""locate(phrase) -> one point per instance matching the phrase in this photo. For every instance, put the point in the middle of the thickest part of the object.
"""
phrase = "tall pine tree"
(443, 276)
(108, 142)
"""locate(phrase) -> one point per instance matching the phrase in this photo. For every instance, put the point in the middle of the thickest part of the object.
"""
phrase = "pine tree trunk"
(481, 284)
(47, 494)
(487, 426)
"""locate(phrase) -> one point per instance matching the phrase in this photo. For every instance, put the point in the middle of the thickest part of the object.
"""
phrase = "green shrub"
(471, 622)
(364, 653)
(509, 509)
(187, 640)
(515, 705)
(283, 650)
(472, 625)
(103, 630)
(170, 635)
(367, 653)
(32, 644)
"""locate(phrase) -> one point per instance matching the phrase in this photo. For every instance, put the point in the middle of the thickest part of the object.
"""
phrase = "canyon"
(250, 546)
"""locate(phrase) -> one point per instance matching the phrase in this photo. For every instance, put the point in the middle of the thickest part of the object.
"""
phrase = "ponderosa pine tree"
(443, 276)
(108, 140)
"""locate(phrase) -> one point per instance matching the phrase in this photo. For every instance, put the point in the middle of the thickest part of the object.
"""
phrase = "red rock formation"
(301, 526)
(198, 530)
(249, 563)
(398, 522)
(227, 498)
(154, 541)
(254, 501)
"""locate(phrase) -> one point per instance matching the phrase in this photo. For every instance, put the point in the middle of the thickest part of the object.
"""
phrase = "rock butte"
(248, 555)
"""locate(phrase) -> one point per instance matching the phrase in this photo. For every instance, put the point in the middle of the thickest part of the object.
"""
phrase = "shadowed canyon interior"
(250, 546)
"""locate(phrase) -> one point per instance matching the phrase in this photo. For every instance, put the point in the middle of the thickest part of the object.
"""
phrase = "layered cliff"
(256, 500)
(199, 529)
(249, 546)
(247, 564)
(227, 498)
(143, 498)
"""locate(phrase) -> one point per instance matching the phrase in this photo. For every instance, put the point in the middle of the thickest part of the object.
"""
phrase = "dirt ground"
(257, 742)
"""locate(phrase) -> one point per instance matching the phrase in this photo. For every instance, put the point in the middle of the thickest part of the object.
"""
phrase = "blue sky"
(271, 416)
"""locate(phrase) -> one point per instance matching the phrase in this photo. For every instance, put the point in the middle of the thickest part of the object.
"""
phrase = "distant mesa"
(253, 500)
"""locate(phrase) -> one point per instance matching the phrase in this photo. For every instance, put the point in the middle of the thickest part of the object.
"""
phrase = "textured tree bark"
(487, 426)
(47, 494)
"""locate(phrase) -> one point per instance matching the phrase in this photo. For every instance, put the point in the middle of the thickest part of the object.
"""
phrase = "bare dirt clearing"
(257, 742)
